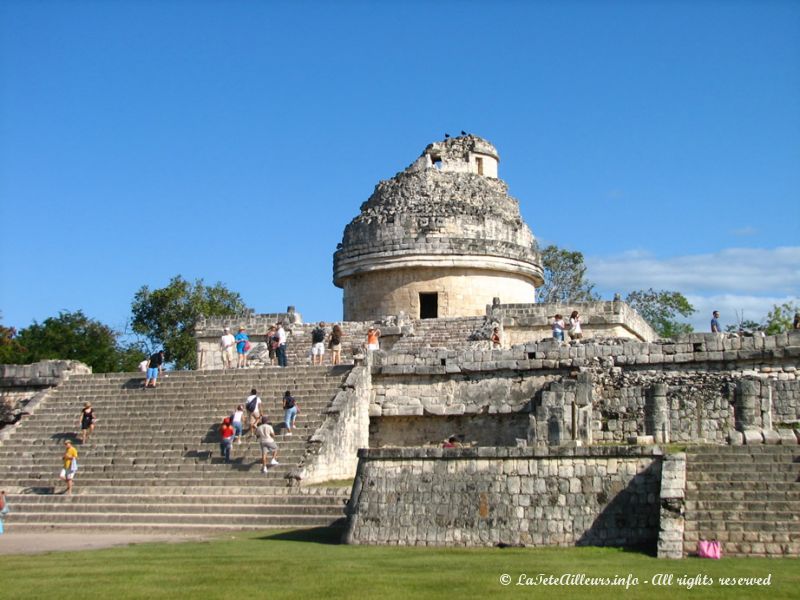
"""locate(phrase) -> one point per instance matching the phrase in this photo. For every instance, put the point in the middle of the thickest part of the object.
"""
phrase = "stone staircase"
(153, 461)
(450, 333)
(747, 497)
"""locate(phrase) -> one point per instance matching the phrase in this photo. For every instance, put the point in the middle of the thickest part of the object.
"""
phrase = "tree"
(744, 325)
(660, 309)
(9, 346)
(168, 316)
(564, 277)
(71, 336)
(780, 318)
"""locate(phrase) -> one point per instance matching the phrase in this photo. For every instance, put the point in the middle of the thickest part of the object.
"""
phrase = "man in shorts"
(70, 459)
(266, 438)
(318, 344)
(154, 367)
(253, 406)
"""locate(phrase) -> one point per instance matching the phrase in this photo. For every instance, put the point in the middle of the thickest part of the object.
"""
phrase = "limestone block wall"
(698, 382)
(23, 386)
(461, 291)
(487, 496)
(525, 322)
(332, 451)
(298, 342)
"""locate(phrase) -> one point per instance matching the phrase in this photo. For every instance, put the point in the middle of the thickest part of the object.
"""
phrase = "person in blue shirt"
(715, 328)
(242, 346)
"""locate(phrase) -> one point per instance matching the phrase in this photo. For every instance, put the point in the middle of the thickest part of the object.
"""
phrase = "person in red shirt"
(226, 434)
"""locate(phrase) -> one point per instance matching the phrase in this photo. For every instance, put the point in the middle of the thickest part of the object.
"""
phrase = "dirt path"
(34, 543)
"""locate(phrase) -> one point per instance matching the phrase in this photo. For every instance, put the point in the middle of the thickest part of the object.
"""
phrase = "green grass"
(310, 564)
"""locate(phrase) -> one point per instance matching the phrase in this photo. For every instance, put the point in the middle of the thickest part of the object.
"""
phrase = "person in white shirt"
(226, 344)
(253, 407)
(238, 421)
(575, 332)
(266, 438)
(281, 352)
(558, 327)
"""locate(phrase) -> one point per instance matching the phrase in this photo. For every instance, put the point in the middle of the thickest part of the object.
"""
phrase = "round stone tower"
(440, 239)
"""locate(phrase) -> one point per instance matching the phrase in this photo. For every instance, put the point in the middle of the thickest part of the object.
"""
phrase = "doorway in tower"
(428, 305)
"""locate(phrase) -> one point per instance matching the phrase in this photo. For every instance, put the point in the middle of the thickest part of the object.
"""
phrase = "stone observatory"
(439, 239)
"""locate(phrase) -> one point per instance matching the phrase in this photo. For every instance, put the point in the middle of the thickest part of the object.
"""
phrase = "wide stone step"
(714, 525)
(694, 507)
(751, 476)
(750, 549)
(743, 486)
(286, 498)
(771, 515)
(180, 529)
(253, 487)
(231, 520)
(711, 495)
(150, 507)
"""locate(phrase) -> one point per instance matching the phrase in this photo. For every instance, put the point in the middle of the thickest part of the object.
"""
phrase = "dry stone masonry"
(559, 443)
(439, 239)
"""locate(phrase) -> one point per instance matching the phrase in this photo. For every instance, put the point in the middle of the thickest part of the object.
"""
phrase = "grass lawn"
(310, 564)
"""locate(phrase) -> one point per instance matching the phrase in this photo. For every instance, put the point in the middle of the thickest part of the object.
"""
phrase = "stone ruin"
(561, 443)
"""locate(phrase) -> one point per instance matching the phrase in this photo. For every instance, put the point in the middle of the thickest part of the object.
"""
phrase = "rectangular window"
(479, 164)
(428, 305)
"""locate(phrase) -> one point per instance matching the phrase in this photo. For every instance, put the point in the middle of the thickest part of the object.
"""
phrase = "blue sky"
(233, 141)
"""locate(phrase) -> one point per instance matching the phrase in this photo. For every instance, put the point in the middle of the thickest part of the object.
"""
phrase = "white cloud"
(738, 271)
(746, 281)
(732, 308)
(745, 231)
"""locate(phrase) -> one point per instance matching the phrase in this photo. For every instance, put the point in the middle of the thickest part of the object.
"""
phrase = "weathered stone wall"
(460, 291)
(486, 496)
(449, 227)
(479, 429)
(332, 451)
(23, 386)
(298, 340)
(523, 323)
(606, 391)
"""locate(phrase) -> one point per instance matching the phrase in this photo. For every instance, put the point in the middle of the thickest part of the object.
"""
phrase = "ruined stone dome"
(446, 210)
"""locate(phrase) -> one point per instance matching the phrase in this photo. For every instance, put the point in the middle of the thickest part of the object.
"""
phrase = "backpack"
(288, 402)
(318, 335)
(251, 404)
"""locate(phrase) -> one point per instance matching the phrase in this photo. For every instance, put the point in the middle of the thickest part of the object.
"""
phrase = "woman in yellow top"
(70, 465)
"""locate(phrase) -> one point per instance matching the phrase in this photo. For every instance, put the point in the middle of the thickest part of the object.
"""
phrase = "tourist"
(70, 459)
(3, 508)
(335, 345)
(281, 351)
(558, 327)
(242, 346)
(318, 344)
(87, 420)
(373, 337)
(266, 439)
(575, 331)
(290, 411)
(226, 433)
(253, 406)
(496, 341)
(451, 442)
(154, 367)
(796, 323)
(715, 328)
(226, 344)
(272, 344)
(237, 419)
